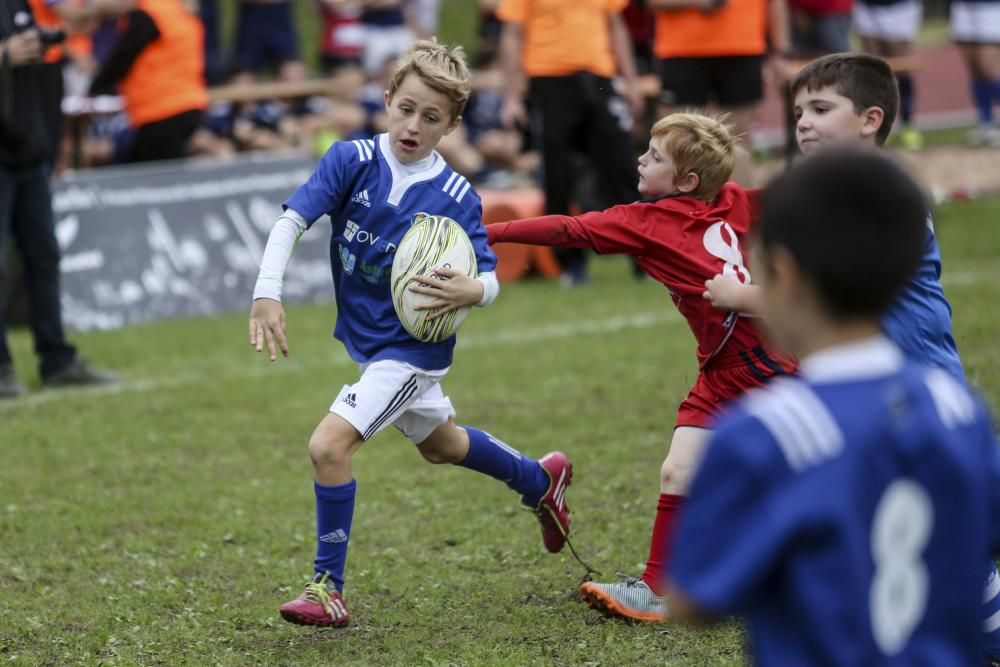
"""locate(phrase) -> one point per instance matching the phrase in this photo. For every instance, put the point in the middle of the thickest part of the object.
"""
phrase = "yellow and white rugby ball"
(433, 241)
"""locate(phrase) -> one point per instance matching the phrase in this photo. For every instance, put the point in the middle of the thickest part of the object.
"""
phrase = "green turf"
(162, 524)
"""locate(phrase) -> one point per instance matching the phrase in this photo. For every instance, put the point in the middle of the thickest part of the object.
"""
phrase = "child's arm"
(608, 232)
(267, 315)
(729, 294)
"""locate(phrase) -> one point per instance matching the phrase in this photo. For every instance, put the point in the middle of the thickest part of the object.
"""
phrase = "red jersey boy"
(688, 230)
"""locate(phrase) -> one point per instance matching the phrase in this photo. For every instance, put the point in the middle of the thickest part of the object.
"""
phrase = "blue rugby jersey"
(847, 514)
(919, 320)
(371, 203)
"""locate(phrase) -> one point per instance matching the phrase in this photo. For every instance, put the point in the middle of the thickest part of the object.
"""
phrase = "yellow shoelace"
(317, 591)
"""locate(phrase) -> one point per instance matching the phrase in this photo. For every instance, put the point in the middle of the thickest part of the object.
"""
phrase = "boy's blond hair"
(700, 144)
(439, 67)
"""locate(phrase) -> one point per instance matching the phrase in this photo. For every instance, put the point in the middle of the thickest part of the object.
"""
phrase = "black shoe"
(9, 386)
(78, 372)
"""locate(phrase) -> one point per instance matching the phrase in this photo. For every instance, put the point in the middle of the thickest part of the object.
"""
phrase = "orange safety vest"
(738, 28)
(168, 76)
(561, 37)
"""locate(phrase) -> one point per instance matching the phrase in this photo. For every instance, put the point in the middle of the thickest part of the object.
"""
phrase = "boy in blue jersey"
(371, 191)
(851, 507)
(852, 98)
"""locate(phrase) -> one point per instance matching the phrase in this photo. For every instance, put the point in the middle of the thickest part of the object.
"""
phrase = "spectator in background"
(887, 29)
(975, 27)
(266, 37)
(488, 32)
(820, 27)
(424, 16)
(215, 61)
(641, 28)
(504, 161)
(26, 153)
(157, 64)
(569, 52)
(67, 56)
(342, 37)
(388, 32)
(714, 51)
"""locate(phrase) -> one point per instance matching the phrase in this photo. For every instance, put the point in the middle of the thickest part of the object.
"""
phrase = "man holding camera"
(27, 149)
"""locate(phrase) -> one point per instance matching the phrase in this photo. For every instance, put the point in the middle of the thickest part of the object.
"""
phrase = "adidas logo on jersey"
(351, 400)
(335, 537)
(362, 198)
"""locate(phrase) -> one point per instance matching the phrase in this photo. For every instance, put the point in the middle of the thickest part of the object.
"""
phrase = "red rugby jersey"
(679, 241)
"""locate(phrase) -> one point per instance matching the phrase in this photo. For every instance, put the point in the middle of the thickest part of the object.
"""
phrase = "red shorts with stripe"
(724, 380)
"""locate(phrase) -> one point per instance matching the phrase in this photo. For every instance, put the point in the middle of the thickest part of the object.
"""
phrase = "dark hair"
(855, 223)
(865, 80)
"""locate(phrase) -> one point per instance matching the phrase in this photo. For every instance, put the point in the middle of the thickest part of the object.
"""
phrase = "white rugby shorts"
(975, 22)
(394, 392)
(898, 22)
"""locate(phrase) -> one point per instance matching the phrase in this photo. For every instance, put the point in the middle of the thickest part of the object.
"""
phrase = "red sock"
(667, 510)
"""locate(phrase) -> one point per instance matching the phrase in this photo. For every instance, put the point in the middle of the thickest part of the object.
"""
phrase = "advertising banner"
(179, 239)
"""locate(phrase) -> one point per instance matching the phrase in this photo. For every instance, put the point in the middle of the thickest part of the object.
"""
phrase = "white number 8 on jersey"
(901, 529)
(728, 250)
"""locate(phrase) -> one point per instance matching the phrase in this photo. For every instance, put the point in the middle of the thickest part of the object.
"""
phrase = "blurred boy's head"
(844, 97)
(425, 98)
(839, 237)
(688, 153)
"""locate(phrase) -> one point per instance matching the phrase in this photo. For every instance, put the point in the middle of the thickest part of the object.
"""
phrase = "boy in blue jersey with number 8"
(371, 190)
(852, 98)
(851, 508)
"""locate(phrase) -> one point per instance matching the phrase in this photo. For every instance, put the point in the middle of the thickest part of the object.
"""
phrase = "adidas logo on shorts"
(351, 400)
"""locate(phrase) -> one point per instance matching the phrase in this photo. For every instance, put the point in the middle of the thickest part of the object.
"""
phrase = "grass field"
(163, 523)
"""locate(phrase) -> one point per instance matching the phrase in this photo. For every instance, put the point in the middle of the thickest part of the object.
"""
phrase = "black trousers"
(26, 219)
(165, 139)
(580, 113)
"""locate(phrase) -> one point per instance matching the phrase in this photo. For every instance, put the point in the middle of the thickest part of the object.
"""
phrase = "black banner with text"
(179, 240)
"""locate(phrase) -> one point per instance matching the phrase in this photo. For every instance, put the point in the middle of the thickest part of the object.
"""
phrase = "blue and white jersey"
(847, 514)
(371, 200)
(919, 321)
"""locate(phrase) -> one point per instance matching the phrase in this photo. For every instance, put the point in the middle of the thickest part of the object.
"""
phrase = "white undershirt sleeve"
(491, 288)
(287, 231)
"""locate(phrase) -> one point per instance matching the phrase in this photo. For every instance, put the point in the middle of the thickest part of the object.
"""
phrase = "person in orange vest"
(714, 51)
(158, 67)
(568, 52)
(65, 26)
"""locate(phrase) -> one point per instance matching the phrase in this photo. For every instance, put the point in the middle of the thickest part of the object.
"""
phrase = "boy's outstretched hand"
(452, 288)
(725, 293)
(267, 323)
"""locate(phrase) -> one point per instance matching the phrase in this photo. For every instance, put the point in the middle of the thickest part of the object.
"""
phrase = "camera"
(51, 36)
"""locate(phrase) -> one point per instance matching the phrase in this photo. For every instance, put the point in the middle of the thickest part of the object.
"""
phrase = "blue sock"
(500, 461)
(996, 92)
(991, 611)
(334, 512)
(982, 95)
(905, 81)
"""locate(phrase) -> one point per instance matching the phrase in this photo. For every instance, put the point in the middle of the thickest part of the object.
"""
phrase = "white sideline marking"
(537, 334)
(550, 332)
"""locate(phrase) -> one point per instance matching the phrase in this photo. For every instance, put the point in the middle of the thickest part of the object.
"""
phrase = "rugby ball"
(432, 242)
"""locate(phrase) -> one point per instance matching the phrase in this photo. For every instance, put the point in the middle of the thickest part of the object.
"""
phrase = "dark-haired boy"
(851, 507)
(852, 98)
